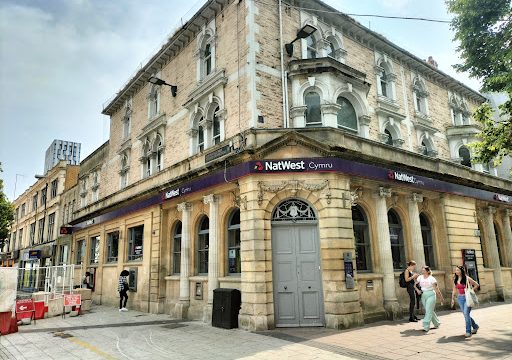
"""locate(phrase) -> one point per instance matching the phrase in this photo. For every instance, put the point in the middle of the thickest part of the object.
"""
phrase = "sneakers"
(426, 331)
(123, 309)
(474, 331)
(413, 320)
(467, 335)
(437, 326)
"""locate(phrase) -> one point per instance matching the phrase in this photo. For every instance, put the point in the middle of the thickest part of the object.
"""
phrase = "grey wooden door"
(298, 299)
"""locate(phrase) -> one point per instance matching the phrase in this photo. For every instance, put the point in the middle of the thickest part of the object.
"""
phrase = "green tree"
(483, 29)
(6, 214)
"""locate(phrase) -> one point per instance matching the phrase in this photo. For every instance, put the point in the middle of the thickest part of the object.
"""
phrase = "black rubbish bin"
(226, 305)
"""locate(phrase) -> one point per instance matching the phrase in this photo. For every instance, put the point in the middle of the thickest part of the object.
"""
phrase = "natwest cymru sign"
(298, 165)
(401, 176)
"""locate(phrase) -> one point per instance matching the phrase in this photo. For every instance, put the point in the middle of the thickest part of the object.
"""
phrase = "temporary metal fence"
(55, 281)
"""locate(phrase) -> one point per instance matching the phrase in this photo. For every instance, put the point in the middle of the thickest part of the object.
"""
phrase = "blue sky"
(63, 59)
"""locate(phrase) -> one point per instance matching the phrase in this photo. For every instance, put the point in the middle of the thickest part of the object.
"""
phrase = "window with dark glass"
(51, 226)
(34, 202)
(32, 233)
(207, 59)
(389, 139)
(159, 156)
(498, 243)
(216, 127)
(362, 239)
(202, 245)
(465, 156)
(176, 248)
(428, 245)
(135, 242)
(397, 240)
(54, 188)
(346, 114)
(80, 249)
(234, 263)
(313, 112)
(20, 237)
(384, 83)
(200, 138)
(43, 197)
(40, 230)
(112, 246)
(94, 250)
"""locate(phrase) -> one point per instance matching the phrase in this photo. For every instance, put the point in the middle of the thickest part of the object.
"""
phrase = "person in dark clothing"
(410, 278)
(122, 288)
(87, 281)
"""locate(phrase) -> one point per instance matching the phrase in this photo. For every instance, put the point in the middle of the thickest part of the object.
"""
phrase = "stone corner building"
(276, 173)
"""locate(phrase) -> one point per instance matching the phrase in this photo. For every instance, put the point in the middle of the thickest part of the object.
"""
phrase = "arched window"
(203, 238)
(428, 245)
(207, 60)
(362, 239)
(200, 138)
(146, 159)
(465, 156)
(498, 243)
(216, 127)
(425, 148)
(420, 97)
(311, 47)
(313, 112)
(346, 114)
(384, 83)
(331, 52)
(397, 240)
(293, 210)
(159, 155)
(124, 171)
(389, 139)
(234, 263)
(176, 248)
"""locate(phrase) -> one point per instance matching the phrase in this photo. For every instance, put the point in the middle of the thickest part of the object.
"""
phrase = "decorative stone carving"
(212, 198)
(239, 201)
(184, 206)
(416, 197)
(294, 186)
(384, 192)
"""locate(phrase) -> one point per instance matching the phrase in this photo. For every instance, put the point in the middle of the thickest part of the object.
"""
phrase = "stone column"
(386, 259)
(493, 258)
(507, 231)
(181, 308)
(418, 253)
(213, 257)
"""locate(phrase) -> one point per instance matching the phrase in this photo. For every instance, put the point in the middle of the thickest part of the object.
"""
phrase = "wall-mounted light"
(303, 33)
(156, 81)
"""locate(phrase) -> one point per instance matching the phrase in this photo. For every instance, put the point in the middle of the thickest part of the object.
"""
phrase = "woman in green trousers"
(429, 289)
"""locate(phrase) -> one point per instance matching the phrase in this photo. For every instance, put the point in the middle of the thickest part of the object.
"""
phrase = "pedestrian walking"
(460, 281)
(122, 287)
(429, 289)
(410, 278)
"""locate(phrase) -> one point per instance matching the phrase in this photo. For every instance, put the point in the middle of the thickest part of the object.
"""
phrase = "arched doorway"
(297, 278)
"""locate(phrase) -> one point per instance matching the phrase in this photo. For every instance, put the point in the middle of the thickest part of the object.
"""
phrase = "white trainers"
(120, 310)
(124, 309)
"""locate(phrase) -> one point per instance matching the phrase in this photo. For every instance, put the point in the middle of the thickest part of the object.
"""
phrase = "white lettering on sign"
(172, 193)
(319, 166)
(23, 308)
(400, 176)
(501, 197)
(284, 165)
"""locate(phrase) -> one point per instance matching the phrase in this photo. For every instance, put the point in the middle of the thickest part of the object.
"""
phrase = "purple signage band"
(305, 165)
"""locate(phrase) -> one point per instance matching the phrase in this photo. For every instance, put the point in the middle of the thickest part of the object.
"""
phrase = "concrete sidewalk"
(107, 334)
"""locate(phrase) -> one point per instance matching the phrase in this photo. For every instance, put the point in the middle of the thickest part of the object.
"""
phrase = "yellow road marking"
(92, 348)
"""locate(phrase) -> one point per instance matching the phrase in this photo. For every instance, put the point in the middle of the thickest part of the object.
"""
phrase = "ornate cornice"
(294, 186)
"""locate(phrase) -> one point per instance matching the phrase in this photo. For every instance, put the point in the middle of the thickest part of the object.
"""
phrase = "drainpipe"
(284, 85)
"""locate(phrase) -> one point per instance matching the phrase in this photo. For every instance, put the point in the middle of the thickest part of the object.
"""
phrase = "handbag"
(469, 293)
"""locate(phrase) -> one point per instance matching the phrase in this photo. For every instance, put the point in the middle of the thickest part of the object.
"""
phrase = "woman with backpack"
(122, 288)
(429, 289)
(460, 281)
(410, 277)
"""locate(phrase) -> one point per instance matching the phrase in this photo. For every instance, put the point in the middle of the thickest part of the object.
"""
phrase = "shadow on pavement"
(412, 332)
(451, 339)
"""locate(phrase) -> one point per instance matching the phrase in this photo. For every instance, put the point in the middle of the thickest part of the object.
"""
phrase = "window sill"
(175, 277)
(231, 279)
(110, 264)
(199, 278)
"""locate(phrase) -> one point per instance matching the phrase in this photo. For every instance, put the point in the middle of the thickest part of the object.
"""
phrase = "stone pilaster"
(386, 259)
(493, 259)
(213, 258)
(181, 308)
(507, 231)
(418, 253)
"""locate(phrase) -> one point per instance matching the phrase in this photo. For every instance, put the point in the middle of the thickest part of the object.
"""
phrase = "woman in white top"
(429, 288)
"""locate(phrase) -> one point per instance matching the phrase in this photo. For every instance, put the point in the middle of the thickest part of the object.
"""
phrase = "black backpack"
(401, 280)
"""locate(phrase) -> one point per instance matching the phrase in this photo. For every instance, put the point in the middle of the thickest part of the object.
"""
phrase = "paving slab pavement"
(107, 334)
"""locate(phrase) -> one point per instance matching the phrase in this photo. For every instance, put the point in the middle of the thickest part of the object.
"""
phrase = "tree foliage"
(6, 214)
(483, 29)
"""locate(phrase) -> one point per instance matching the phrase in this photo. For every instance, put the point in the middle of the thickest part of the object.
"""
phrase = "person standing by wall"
(429, 289)
(122, 288)
(460, 280)
(410, 278)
